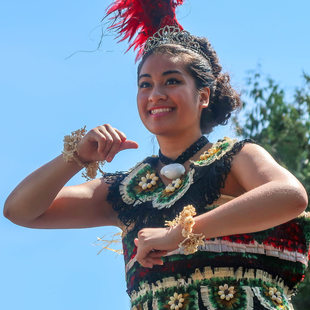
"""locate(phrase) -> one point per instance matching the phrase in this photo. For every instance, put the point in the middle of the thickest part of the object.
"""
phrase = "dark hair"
(223, 98)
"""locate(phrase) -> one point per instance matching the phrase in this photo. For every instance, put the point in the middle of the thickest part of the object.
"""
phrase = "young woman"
(237, 240)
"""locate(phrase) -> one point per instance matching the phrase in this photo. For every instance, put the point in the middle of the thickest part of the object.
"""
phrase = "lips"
(156, 111)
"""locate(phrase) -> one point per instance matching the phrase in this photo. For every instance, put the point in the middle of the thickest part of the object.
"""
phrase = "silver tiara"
(173, 35)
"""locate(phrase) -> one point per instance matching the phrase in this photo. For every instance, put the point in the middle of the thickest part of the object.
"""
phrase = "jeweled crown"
(173, 35)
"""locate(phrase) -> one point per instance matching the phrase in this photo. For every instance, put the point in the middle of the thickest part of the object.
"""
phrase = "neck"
(173, 146)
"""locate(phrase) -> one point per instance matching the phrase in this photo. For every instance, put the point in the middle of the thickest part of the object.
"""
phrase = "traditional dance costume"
(258, 270)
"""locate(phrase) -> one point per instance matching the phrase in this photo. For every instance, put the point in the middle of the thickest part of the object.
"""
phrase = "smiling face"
(168, 100)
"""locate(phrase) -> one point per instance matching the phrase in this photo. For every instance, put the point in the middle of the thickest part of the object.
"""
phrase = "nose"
(157, 94)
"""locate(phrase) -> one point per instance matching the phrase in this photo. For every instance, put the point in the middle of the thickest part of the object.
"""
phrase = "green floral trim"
(190, 297)
(208, 276)
(243, 290)
(262, 293)
(218, 150)
(212, 299)
(132, 192)
(160, 300)
(142, 301)
(166, 200)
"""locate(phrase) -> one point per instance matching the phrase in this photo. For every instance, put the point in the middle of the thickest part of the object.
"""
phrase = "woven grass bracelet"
(70, 153)
(185, 219)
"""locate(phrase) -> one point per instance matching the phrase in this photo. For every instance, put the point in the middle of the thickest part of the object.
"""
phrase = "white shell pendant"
(172, 171)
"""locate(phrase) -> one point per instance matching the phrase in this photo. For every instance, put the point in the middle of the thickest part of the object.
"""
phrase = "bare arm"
(42, 201)
(32, 197)
(273, 196)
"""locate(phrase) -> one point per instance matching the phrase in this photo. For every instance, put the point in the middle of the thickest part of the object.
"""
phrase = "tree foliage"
(280, 123)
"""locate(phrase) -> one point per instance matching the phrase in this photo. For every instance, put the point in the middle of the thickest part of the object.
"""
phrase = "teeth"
(155, 111)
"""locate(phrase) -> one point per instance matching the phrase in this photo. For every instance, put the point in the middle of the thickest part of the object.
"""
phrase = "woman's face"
(168, 100)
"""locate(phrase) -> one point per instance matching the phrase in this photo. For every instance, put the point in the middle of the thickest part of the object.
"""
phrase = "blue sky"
(45, 95)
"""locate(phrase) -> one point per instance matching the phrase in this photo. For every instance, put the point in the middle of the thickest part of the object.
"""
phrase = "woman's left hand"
(153, 243)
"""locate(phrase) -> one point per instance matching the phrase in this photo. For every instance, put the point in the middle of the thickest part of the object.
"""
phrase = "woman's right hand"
(103, 143)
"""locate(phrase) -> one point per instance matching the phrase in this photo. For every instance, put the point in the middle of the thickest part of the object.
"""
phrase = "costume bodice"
(258, 270)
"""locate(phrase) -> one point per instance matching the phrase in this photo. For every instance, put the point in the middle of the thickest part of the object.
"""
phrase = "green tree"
(281, 124)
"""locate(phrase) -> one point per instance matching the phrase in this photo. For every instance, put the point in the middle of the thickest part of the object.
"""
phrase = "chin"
(164, 131)
(158, 129)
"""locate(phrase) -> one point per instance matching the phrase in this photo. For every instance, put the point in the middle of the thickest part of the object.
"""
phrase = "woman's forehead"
(158, 63)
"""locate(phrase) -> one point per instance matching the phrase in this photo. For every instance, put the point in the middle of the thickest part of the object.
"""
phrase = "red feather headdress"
(141, 18)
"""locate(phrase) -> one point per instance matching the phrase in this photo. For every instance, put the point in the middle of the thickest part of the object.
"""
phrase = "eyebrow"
(163, 74)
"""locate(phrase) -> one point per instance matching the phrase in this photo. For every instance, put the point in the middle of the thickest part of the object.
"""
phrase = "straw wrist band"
(185, 219)
(70, 153)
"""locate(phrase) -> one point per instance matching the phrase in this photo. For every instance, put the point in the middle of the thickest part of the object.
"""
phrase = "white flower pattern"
(176, 301)
(170, 188)
(148, 181)
(226, 292)
(275, 295)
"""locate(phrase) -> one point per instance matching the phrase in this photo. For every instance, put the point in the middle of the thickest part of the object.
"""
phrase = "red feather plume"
(141, 18)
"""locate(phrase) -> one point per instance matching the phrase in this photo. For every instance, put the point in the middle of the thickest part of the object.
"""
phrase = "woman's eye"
(144, 85)
(172, 82)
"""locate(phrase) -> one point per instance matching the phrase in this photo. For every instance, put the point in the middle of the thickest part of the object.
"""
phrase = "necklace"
(174, 168)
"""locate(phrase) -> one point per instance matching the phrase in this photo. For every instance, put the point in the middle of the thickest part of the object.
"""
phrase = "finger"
(97, 141)
(116, 143)
(156, 254)
(129, 144)
(107, 142)
(100, 138)
(150, 262)
(141, 257)
(121, 134)
(154, 261)
(147, 263)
